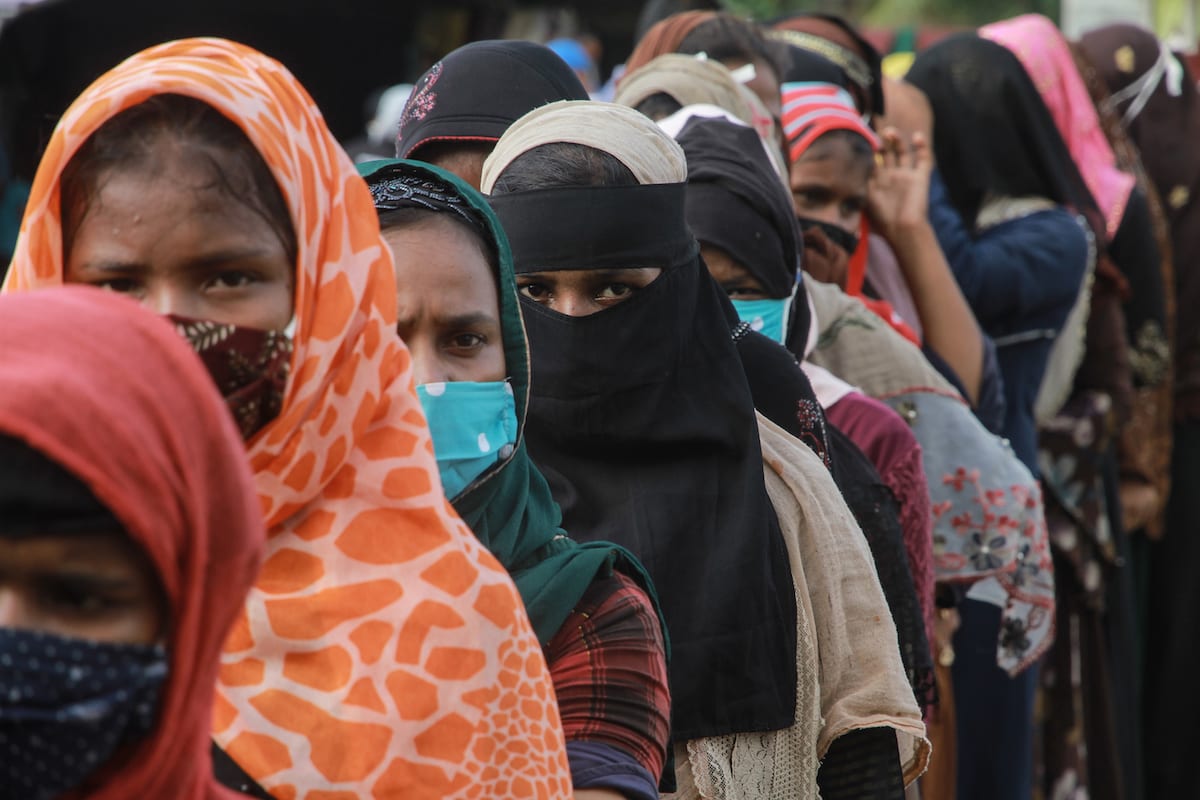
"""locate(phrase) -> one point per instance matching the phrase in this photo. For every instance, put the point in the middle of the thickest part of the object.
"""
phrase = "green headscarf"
(509, 507)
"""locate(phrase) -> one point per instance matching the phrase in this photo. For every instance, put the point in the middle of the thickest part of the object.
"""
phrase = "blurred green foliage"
(900, 12)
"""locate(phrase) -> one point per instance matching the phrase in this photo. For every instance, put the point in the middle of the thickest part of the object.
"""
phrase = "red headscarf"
(116, 397)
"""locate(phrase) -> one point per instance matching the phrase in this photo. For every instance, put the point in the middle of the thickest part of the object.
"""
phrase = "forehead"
(439, 260)
(834, 158)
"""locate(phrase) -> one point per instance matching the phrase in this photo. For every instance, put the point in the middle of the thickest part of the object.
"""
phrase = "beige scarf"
(630, 137)
(849, 677)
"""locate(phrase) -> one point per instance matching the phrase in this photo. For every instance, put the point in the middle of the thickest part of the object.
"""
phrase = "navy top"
(1019, 277)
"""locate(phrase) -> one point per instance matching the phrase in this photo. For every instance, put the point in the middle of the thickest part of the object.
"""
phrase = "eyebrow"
(205, 261)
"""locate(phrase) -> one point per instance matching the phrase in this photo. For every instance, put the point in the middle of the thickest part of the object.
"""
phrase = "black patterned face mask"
(249, 366)
(67, 704)
(835, 233)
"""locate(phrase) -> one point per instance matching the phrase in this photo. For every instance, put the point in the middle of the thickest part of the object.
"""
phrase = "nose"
(14, 609)
(428, 367)
(574, 303)
(169, 298)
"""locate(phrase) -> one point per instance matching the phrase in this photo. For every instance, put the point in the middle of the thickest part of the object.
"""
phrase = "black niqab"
(642, 421)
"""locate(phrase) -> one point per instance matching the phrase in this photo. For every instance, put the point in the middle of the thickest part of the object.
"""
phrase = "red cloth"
(856, 277)
(114, 395)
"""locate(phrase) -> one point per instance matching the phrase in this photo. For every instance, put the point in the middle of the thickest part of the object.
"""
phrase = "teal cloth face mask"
(769, 317)
(474, 426)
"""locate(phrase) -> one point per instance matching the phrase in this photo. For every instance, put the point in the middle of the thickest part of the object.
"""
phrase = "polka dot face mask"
(67, 704)
(473, 424)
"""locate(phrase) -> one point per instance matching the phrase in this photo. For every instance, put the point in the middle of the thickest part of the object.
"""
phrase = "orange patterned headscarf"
(383, 651)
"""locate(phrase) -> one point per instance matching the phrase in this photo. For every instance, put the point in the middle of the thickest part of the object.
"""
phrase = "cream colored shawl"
(630, 137)
(690, 81)
(849, 677)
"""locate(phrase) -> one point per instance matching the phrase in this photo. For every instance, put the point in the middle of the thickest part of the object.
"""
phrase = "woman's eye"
(616, 290)
(232, 279)
(535, 291)
(741, 292)
(72, 597)
(467, 341)
(121, 285)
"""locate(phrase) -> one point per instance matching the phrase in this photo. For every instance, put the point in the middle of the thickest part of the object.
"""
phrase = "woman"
(462, 104)
(840, 196)
(1005, 214)
(460, 318)
(742, 216)
(736, 43)
(1153, 92)
(382, 645)
(128, 541)
(834, 39)
(639, 407)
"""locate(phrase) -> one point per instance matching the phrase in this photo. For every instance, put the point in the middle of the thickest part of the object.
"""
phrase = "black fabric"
(805, 66)
(835, 39)
(479, 90)
(736, 201)
(1135, 252)
(781, 390)
(608, 227)
(992, 133)
(231, 775)
(731, 176)
(877, 512)
(862, 764)
(843, 238)
(642, 421)
(400, 186)
(40, 497)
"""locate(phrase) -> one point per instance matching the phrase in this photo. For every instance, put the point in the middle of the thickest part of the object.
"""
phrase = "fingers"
(922, 152)
(894, 150)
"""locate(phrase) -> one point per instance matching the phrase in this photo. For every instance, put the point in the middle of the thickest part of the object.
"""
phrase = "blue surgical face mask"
(769, 317)
(66, 705)
(474, 425)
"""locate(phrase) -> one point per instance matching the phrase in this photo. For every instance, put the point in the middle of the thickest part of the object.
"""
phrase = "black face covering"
(835, 233)
(39, 497)
(642, 421)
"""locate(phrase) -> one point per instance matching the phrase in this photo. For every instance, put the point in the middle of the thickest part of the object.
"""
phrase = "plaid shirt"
(609, 669)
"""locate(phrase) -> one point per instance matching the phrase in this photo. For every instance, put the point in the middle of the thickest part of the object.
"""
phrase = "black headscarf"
(992, 132)
(642, 421)
(477, 91)
(737, 202)
(805, 66)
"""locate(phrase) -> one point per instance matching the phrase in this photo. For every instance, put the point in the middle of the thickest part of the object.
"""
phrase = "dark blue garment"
(595, 765)
(994, 713)
(1020, 278)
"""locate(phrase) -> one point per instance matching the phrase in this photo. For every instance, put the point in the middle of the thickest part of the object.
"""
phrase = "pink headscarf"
(1046, 56)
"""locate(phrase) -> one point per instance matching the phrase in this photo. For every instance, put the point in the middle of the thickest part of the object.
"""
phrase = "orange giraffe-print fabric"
(383, 652)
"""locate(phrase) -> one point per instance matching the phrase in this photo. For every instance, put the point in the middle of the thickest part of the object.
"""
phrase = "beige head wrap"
(631, 138)
(690, 81)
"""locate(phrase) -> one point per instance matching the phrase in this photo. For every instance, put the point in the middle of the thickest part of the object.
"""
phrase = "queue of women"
(779, 430)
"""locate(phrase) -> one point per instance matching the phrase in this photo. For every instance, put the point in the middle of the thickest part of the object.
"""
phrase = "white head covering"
(631, 138)
(674, 124)
(690, 80)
